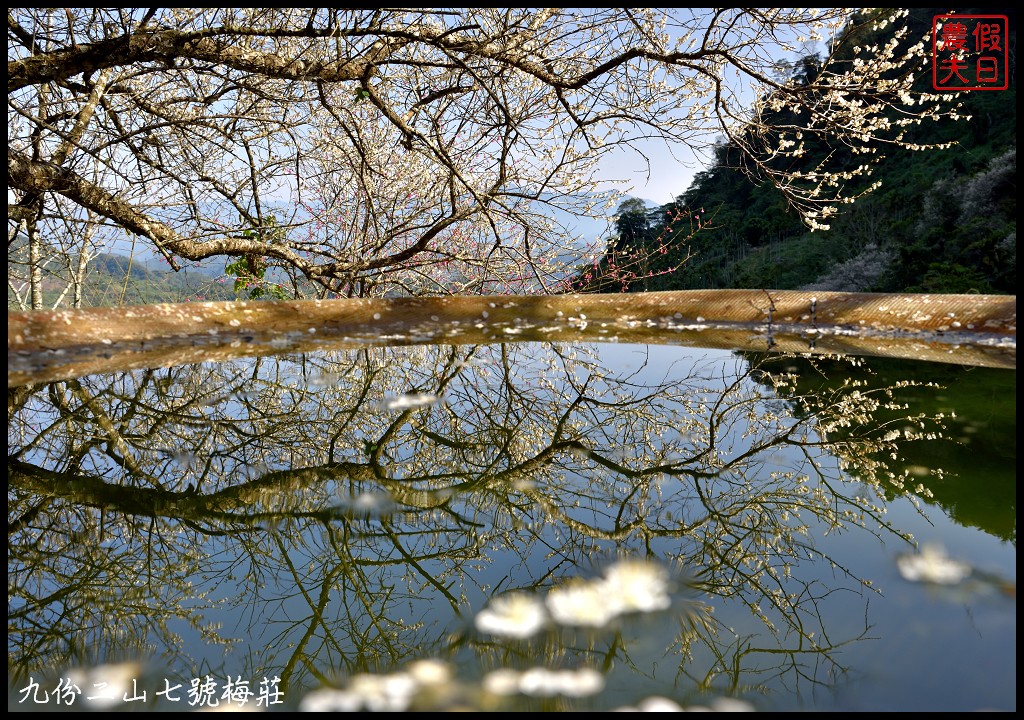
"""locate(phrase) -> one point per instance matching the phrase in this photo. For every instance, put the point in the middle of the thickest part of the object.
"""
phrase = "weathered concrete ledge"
(964, 329)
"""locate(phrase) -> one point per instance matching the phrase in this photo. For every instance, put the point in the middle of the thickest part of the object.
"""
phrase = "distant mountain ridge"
(118, 279)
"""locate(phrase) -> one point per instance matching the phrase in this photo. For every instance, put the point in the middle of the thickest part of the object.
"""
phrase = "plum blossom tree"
(365, 152)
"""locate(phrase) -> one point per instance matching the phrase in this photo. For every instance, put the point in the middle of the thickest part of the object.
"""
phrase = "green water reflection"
(698, 526)
(978, 442)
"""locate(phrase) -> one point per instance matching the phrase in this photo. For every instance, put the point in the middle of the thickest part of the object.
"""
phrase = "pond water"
(533, 526)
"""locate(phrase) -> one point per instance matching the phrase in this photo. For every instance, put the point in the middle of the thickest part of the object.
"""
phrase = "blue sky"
(659, 174)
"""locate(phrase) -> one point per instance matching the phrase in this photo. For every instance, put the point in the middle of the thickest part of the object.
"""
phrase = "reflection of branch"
(93, 491)
(28, 516)
(735, 664)
(418, 566)
(117, 443)
(524, 440)
(318, 608)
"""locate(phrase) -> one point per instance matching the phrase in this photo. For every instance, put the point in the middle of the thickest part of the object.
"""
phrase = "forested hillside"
(116, 280)
(112, 279)
(942, 220)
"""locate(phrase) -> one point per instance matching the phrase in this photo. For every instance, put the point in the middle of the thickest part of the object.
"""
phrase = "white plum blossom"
(516, 615)
(932, 565)
(543, 682)
(637, 586)
(376, 693)
(581, 603)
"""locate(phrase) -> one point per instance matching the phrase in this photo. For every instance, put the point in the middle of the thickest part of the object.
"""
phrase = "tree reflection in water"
(321, 516)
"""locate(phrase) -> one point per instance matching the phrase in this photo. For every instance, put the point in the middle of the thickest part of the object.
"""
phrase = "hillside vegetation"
(112, 279)
(942, 220)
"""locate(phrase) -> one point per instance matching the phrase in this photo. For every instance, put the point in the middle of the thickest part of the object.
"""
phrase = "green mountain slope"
(117, 280)
(941, 221)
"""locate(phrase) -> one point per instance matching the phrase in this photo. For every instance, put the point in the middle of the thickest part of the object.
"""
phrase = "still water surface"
(516, 527)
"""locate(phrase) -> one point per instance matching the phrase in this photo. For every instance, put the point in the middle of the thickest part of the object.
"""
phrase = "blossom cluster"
(627, 586)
